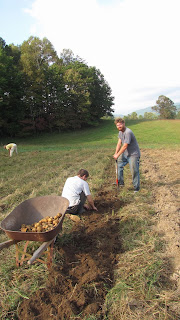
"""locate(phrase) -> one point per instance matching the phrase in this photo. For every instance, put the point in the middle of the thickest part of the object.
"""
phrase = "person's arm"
(118, 147)
(117, 154)
(91, 202)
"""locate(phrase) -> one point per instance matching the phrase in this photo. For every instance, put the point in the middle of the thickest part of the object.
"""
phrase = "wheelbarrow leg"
(19, 262)
(50, 254)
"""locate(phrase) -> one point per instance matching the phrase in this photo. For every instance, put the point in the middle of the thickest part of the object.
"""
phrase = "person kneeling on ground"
(11, 147)
(76, 190)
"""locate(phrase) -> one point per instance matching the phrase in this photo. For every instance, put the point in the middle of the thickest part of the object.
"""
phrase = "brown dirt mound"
(78, 283)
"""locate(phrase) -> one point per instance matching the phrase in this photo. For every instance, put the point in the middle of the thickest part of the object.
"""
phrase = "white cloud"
(134, 43)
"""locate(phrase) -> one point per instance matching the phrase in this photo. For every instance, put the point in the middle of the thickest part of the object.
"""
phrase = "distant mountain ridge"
(142, 111)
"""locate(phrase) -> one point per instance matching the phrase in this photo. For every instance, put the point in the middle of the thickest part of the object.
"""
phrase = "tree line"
(40, 91)
(164, 108)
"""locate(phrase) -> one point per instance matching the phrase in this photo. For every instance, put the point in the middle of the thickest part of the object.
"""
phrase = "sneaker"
(136, 191)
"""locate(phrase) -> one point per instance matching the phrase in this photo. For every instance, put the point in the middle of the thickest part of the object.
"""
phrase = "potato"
(46, 224)
(59, 215)
(39, 229)
(36, 224)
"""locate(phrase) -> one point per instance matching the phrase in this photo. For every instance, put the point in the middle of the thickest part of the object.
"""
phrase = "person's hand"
(115, 156)
(87, 207)
(90, 207)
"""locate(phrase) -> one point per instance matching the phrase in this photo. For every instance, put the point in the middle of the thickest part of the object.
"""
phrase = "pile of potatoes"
(45, 224)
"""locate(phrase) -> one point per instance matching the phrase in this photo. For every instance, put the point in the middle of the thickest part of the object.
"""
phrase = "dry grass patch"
(144, 288)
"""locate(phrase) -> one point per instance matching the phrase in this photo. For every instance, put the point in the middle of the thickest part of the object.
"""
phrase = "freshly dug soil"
(78, 283)
(80, 279)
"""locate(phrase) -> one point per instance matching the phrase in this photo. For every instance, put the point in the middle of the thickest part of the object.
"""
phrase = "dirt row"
(162, 169)
(79, 281)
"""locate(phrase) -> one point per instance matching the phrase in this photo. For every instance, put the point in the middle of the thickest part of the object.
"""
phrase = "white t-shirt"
(73, 188)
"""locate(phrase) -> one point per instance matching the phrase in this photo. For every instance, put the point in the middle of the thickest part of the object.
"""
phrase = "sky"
(134, 43)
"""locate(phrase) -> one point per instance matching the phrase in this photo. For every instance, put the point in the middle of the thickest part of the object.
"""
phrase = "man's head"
(120, 124)
(83, 174)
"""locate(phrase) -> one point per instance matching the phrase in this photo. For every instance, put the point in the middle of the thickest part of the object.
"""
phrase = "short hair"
(119, 120)
(83, 172)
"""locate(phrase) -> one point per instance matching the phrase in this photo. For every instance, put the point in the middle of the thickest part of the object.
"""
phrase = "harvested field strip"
(110, 265)
(84, 268)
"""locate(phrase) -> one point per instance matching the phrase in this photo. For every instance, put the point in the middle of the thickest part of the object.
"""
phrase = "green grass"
(87, 138)
(150, 134)
(41, 168)
(157, 133)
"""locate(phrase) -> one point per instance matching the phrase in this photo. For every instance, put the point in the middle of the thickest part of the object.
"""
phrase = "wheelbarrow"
(29, 212)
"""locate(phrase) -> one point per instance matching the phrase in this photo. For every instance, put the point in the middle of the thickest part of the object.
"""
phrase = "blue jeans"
(134, 167)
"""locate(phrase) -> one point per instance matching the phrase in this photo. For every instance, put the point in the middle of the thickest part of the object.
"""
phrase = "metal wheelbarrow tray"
(31, 211)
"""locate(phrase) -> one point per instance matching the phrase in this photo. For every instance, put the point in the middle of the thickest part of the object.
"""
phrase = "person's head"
(83, 174)
(120, 124)
(4, 146)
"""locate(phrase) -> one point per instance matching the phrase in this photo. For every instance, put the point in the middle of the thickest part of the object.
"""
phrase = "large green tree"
(77, 95)
(36, 58)
(178, 114)
(11, 89)
(165, 107)
(40, 91)
(100, 96)
(87, 95)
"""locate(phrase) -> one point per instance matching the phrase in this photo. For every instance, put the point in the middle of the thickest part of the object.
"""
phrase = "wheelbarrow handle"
(40, 250)
(7, 244)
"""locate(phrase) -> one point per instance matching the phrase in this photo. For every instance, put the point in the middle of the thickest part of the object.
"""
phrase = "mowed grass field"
(43, 163)
(41, 167)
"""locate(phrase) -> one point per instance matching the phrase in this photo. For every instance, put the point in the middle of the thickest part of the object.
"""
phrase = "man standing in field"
(127, 151)
(11, 147)
(76, 190)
